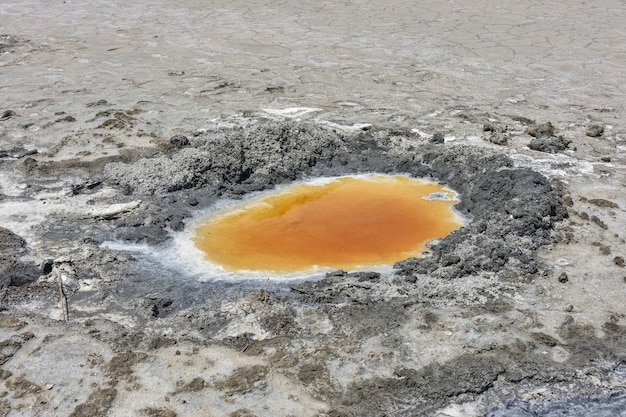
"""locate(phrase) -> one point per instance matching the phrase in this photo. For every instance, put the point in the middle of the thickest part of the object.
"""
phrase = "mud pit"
(122, 126)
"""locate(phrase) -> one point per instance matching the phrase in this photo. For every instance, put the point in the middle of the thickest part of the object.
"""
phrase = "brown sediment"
(346, 223)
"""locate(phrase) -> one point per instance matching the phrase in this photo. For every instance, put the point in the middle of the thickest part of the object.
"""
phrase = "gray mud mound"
(512, 210)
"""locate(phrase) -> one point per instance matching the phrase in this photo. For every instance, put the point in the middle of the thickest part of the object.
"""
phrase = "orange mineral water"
(340, 223)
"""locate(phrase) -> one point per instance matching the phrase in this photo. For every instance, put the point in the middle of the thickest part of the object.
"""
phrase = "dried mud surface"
(121, 124)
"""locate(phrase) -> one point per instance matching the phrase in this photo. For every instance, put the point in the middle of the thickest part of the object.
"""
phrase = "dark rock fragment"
(67, 118)
(545, 339)
(549, 144)
(599, 222)
(6, 115)
(97, 405)
(21, 387)
(242, 412)
(543, 129)
(101, 102)
(17, 152)
(523, 120)
(619, 261)
(437, 138)
(14, 272)
(196, 384)
(601, 202)
(158, 306)
(594, 130)
(243, 379)
(157, 412)
(46, 266)
(498, 139)
(448, 260)
(179, 141)
(563, 278)
(10, 242)
(545, 139)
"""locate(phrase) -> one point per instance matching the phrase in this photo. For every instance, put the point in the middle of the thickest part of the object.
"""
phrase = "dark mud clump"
(545, 139)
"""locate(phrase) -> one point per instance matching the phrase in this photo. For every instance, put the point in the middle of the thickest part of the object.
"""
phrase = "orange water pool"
(344, 223)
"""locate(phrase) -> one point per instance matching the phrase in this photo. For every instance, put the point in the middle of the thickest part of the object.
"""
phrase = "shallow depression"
(334, 223)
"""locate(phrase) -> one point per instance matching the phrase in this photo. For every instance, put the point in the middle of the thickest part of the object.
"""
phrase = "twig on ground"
(63, 298)
(262, 295)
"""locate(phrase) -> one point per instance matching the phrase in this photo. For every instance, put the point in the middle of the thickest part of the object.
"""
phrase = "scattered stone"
(97, 405)
(541, 130)
(599, 222)
(158, 306)
(179, 141)
(66, 119)
(488, 127)
(6, 115)
(545, 139)
(13, 271)
(243, 379)
(594, 130)
(605, 159)
(523, 120)
(619, 261)
(4, 374)
(100, 102)
(10, 242)
(569, 308)
(544, 339)
(601, 202)
(498, 139)
(242, 412)
(17, 152)
(157, 412)
(549, 144)
(437, 138)
(563, 278)
(194, 385)
(120, 366)
(11, 322)
(21, 387)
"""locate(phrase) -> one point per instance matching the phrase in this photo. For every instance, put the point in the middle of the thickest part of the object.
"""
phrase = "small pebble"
(619, 261)
(563, 277)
